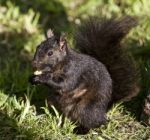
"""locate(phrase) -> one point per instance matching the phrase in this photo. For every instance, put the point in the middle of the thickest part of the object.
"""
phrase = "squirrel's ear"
(49, 33)
(63, 42)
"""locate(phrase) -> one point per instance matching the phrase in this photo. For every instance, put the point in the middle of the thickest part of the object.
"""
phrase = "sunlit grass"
(23, 121)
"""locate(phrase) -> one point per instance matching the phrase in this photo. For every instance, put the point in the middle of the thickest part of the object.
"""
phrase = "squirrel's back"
(101, 39)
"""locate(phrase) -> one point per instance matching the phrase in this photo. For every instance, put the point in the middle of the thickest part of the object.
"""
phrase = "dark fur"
(86, 85)
(101, 39)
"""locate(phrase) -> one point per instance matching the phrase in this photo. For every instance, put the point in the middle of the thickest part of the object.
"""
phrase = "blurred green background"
(23, 24)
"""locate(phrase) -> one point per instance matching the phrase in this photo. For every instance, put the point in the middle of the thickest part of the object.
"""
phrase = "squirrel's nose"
(34, 64)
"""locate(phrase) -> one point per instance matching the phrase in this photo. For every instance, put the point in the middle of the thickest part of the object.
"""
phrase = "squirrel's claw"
(34, 80)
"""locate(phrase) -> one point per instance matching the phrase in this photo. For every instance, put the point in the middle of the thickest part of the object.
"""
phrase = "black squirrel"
(86, 83)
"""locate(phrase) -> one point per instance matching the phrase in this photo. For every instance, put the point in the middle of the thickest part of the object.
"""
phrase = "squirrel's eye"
(50, 53)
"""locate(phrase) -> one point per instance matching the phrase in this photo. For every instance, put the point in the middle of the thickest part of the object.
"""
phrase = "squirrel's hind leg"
(90, 117)
(93, 116)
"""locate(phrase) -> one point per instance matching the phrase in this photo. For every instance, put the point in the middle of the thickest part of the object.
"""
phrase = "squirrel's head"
(50, 52)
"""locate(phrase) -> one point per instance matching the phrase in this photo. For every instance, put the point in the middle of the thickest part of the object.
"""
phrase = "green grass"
(24, 114)
(19, 120)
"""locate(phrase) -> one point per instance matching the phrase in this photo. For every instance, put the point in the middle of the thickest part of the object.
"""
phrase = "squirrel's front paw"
(34, 80)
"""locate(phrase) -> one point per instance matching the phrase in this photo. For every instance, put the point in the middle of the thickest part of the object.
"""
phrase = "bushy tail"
(101, 39)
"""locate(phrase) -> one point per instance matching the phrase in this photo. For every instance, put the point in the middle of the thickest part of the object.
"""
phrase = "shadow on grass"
(10, 130)
(15, 69)
(8, 127)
